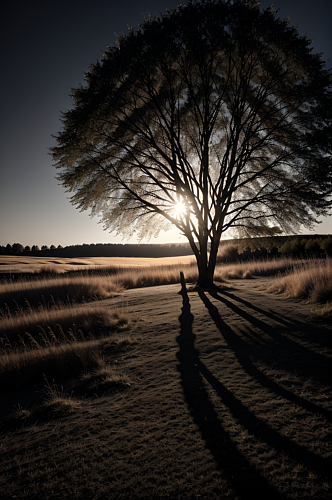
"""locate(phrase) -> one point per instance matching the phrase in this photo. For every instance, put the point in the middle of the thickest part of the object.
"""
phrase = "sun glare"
(179, 210)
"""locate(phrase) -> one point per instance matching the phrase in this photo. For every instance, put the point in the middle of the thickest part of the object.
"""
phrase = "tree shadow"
(279, 318)
(243, 477)
(253, 424)
(304, 360)
(244, 355)
(272, 315)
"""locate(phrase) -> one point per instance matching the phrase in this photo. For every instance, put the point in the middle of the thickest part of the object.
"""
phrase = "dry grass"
(50, 326)
(46, 332)
(17, 264)
(57, 356)
(163, 275)
(250, 269)
(34, 292)
(155, 275)
(104, 378)
(109, 282)
(312, 282)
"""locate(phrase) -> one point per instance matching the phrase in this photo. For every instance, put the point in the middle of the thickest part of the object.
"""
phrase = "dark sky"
(46, 47)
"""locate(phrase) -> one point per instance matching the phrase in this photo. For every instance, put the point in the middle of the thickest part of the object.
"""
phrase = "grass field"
(115, 386)
(23, 264)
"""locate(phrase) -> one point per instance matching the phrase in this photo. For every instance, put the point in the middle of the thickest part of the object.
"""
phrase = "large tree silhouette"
(213, 116)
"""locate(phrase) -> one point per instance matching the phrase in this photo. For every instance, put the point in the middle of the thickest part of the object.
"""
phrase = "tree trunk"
(205, 278)
(206, 265)
(213, 256)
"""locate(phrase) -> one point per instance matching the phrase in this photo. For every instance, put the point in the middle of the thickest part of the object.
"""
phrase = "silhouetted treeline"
(242, 248)
(295, 246)
(100, 250)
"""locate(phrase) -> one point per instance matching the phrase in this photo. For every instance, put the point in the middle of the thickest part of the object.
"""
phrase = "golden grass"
(312, 282)
(19, 370)
(245, 270)
(155, 275)
(17, 264)
(61, 288)
(111, 281)
(216, 408)
(59, 356)
(163, 275)
(50, 326)
(105, 378)
(46, 332)
(56, 403)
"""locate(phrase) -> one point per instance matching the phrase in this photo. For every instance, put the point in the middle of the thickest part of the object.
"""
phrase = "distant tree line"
(237, 249)
(99, 250)
(278, 246)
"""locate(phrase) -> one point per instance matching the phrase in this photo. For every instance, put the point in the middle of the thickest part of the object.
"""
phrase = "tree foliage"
(217, 106)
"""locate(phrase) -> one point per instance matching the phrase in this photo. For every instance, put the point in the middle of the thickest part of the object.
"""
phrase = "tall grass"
(51, 338)
(46, 327)
(63, 342)
(36, 292)
(155, 275)
(21, 369)
(250, 269)
(312, 282)
(163, 275)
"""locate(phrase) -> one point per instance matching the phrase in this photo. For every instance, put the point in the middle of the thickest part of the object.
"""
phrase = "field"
(21, 264)
(116, 386)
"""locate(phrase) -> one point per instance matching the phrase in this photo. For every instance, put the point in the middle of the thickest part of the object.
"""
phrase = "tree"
(17, 248)
(9, 249)
(312, 246)
(326, 245)
(213, 116)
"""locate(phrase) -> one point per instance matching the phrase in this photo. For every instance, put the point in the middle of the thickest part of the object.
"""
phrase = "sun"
(179, 210)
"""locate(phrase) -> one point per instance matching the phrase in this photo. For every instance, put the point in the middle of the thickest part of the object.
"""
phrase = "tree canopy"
(216, 115)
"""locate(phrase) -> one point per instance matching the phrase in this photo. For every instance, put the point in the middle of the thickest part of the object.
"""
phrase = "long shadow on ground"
(312, 363)
(254, 425)
(289, 323)
(306, 357)
(242, 477)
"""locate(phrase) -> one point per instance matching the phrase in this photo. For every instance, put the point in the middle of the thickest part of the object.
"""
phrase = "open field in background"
(25, 264)
(116, 387)
(309, 279)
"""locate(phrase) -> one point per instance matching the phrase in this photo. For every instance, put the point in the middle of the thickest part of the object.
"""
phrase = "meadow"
(111, 389)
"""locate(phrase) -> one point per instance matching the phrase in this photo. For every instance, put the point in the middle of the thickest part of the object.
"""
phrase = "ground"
(229, 397)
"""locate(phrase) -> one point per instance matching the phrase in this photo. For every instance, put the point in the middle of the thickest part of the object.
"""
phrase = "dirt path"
(230, 398)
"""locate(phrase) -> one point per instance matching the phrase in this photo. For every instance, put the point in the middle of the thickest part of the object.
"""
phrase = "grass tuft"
(104, 378)
(312, 282)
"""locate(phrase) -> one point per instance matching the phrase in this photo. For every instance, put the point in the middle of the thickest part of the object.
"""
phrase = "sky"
(46, 47)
